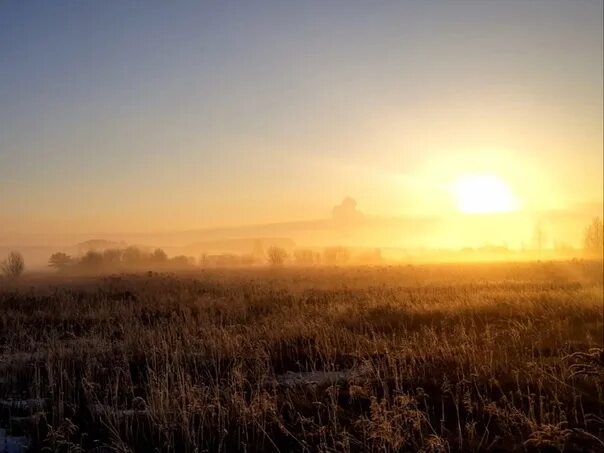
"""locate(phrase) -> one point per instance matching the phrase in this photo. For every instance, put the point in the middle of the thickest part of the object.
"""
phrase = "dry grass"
(447, 358)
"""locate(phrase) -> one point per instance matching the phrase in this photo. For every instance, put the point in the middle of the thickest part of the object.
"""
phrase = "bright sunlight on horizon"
(483, 194)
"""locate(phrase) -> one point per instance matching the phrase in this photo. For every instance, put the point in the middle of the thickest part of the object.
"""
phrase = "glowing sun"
(482, 194)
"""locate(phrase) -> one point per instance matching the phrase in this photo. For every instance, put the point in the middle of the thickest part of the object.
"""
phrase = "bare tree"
(14, 265)
(276, 256)
(593, 240)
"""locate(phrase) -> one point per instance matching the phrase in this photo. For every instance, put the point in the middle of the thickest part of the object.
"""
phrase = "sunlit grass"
(445, 358)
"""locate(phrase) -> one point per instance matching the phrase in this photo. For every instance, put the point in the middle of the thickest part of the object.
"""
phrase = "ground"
(403, 358)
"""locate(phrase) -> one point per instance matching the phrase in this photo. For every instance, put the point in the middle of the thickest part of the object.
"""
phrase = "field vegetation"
(500, 357)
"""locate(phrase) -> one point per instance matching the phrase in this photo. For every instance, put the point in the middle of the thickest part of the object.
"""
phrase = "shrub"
(59, 260)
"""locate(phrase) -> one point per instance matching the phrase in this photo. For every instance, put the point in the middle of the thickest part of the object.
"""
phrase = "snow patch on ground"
(12, 444)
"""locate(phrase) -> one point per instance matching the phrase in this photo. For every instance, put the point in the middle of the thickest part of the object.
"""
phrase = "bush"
(60, 260)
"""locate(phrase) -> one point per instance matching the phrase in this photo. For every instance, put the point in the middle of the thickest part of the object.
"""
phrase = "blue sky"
(137, 115)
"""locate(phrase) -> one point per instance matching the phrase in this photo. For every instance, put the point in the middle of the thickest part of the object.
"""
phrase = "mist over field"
(489, 237)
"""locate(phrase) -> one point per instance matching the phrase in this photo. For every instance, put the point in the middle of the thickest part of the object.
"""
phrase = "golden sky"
(161, 117)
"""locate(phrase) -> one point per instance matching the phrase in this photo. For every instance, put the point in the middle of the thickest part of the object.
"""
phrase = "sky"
(122, 116)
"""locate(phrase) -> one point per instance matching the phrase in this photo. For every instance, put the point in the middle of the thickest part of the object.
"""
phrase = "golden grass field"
(476, 357)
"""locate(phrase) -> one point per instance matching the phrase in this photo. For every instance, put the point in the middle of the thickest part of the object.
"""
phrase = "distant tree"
(159, 257)
(304, 257)
(112, 257)
(132, 256)
(13, 265)
(91, 260)
(593, 240)
(60, 260)
(336, 255)
(276, 256)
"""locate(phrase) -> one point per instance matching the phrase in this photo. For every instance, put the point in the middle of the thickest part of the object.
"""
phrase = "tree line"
(133, 258)
(116, 259)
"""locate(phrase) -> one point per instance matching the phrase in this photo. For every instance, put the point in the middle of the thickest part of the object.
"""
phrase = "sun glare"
(483, 194)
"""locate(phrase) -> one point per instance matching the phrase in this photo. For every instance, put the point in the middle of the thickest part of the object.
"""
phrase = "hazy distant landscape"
(367, 240)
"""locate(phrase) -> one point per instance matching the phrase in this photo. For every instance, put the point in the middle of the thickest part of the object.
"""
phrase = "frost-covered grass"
(434, 358)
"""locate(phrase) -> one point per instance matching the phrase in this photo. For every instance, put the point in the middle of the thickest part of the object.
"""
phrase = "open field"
(431, 358)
